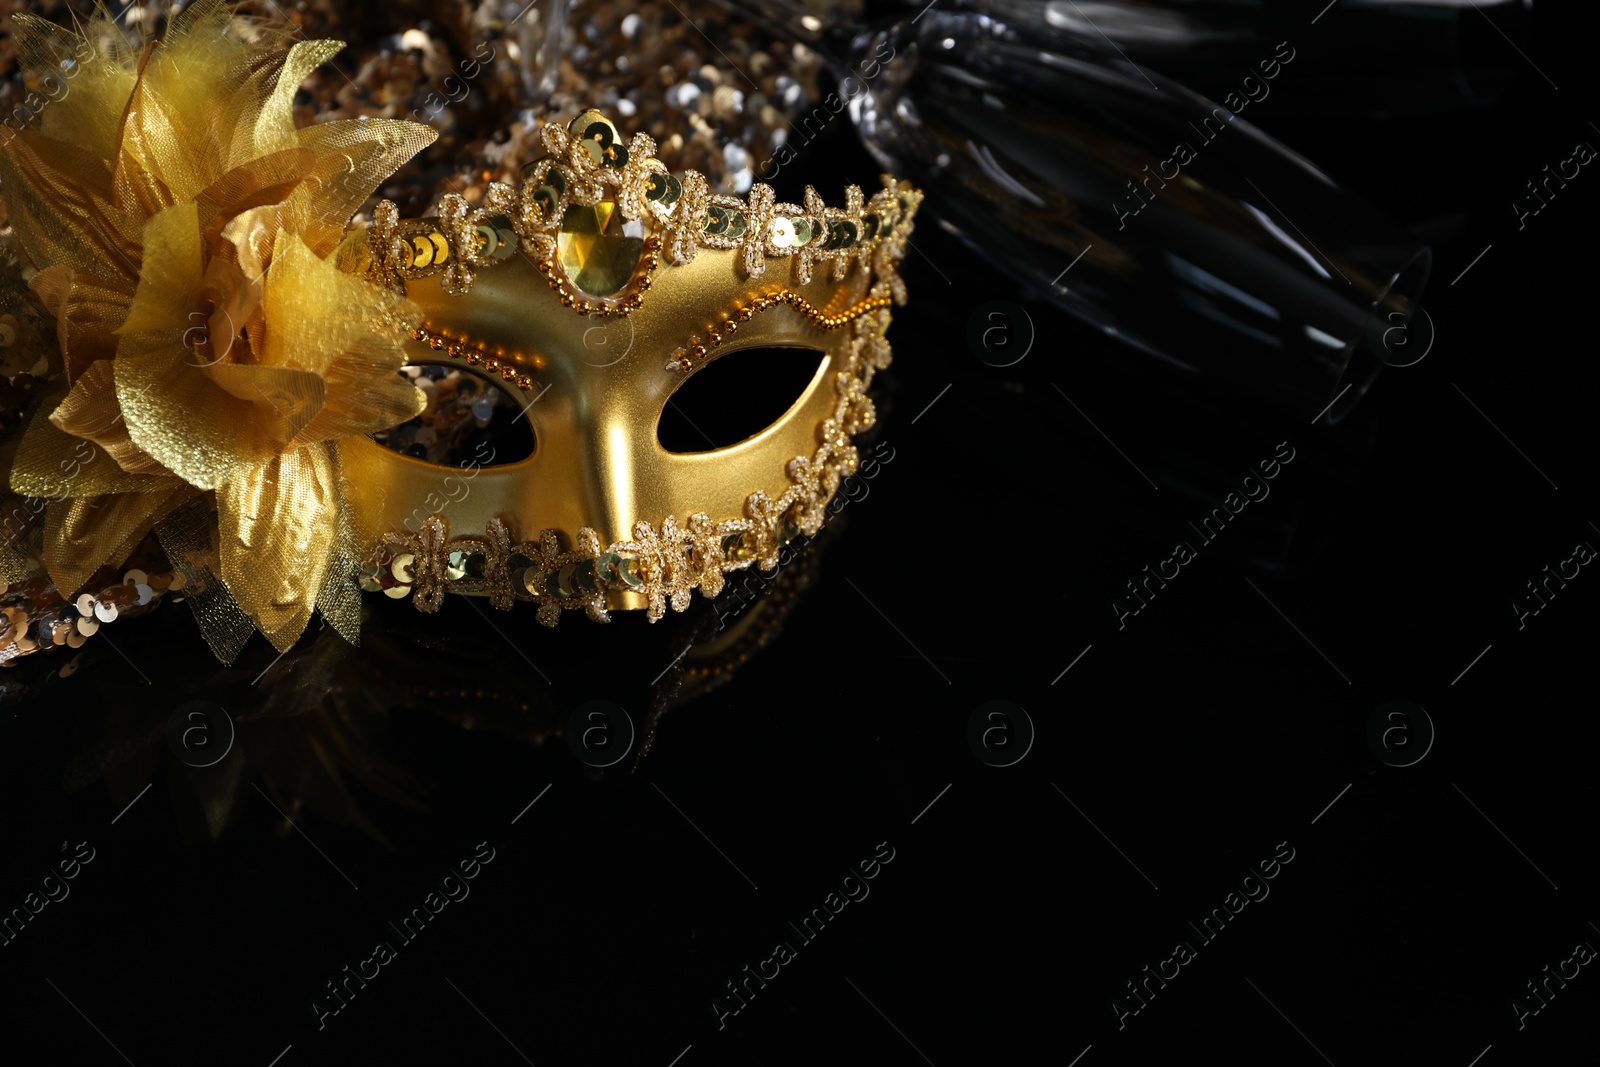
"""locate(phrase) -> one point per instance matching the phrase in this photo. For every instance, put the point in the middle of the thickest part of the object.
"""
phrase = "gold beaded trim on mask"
(664, 562)
(585, 163)
(475, 354)
(693, 353)
(688, 356)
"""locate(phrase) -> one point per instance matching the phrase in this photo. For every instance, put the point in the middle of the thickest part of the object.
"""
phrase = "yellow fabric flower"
(184, 231)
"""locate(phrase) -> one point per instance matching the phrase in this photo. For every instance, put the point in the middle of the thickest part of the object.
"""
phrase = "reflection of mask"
(592, 315)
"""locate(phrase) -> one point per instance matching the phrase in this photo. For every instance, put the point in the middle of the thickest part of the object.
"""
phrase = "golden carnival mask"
(217, 352)
(601, 515)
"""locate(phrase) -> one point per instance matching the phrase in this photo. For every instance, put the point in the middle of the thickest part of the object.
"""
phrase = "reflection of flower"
(184, 231)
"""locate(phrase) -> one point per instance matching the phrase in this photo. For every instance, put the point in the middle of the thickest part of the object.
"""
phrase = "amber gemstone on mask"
(599, 248)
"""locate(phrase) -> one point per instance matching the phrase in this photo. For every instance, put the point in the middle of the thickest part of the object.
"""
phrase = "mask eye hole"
(469, 420)
(734, 397)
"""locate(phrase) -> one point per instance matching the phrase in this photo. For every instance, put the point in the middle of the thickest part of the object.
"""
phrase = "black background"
(1176, 752)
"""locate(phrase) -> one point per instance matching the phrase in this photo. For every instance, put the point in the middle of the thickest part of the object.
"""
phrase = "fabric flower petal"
(172, 272)
(88, 308)
(269, 179)
(274, 126)
(77, 225)
(83, 533)
(90, 115)
(90, 412)
(278, 526)
(203, 423)
(354, 157)
(53, 464)
(324, 320)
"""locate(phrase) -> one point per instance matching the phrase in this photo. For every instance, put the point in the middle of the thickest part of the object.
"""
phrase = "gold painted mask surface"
(591, 294)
